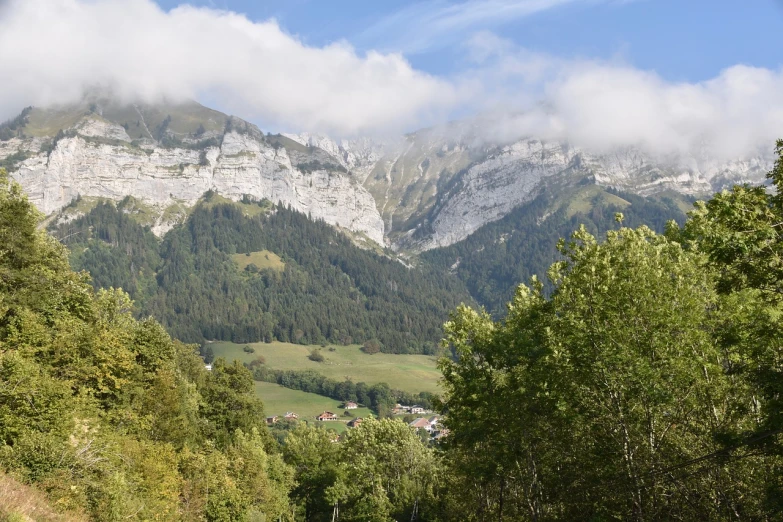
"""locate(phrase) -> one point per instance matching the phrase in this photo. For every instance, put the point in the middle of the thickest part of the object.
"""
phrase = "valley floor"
(279, 400)
(410, 373)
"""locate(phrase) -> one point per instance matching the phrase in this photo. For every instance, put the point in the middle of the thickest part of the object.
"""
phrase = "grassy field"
(585, 198)
(279, 400)
(262, 259)
(411, 373)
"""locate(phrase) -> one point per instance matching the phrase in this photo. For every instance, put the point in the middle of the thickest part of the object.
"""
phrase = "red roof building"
(327, 416)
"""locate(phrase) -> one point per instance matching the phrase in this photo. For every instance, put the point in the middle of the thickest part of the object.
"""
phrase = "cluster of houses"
(288, 415)
(326, 416)
(399, 409)
(431, 425)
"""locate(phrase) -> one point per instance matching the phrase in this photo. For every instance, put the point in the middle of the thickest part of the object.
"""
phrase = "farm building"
(291, 415)
(421, 424)
(350, 405)
(355, 422)
(327, 416)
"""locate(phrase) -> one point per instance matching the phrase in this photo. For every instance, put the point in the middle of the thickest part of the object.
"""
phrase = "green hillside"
(279, 400)
(315, 287)
(499, 256)
(410, 373)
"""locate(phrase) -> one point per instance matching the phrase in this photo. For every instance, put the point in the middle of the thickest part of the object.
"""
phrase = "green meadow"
(262, 259)
(279, 400)
(410, 373)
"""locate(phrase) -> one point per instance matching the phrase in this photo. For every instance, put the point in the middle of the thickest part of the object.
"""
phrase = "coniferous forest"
(500, 255)
(646, 384)
(329, 290)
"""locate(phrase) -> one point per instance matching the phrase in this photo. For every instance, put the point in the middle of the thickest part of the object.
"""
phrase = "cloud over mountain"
(52, 50)
(608, 104)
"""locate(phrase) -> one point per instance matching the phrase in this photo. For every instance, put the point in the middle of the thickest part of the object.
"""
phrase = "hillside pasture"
(410, 373)
(262, 259)
(278, 400)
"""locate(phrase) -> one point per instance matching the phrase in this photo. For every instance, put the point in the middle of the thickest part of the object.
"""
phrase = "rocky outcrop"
(497, 179)
(98, 162)
(431, 188)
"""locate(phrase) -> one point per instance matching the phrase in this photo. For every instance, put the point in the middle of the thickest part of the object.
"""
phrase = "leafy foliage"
(381, 471)
(501, 255)
(628, 391)
(107, 414)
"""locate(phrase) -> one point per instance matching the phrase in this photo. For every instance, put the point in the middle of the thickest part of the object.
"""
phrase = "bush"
(316, 355)
(372, 346)
(258, 361)
(249, 349)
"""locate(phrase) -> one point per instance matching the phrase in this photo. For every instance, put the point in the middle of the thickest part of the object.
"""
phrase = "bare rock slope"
(427, 189)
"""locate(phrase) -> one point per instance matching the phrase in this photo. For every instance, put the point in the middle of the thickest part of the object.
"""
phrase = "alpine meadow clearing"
(410, 373)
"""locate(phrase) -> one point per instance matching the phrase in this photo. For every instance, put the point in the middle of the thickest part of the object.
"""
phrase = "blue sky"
(682, 40)
(672, 76)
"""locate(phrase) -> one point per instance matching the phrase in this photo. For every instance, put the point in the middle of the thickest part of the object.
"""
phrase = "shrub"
(316, 355)
(249, 349)
(372, 346)
(258, 361)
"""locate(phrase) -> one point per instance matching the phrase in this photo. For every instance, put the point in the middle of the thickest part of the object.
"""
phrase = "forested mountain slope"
(303, 281)
(501, 255)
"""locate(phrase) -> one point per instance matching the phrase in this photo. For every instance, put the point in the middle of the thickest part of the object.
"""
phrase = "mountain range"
(222, 231)
(431, 188)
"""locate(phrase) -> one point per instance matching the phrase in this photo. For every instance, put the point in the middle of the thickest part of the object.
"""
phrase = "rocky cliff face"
(99, 160)
(442, 186)
(429, 189)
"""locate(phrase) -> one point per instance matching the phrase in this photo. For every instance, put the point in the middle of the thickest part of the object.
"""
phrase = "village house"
(417, 410)
(354, 422)
(326, 416)
(420, 424)
(272, 420)
(350, 405)
(291, 415)
(434, 421)
(399, 409)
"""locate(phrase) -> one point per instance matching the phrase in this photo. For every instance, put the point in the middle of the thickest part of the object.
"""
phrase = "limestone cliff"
(427, 189)
(96, 158)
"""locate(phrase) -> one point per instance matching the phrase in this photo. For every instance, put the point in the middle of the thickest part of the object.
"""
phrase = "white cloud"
(605, 105)
(50, 50)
